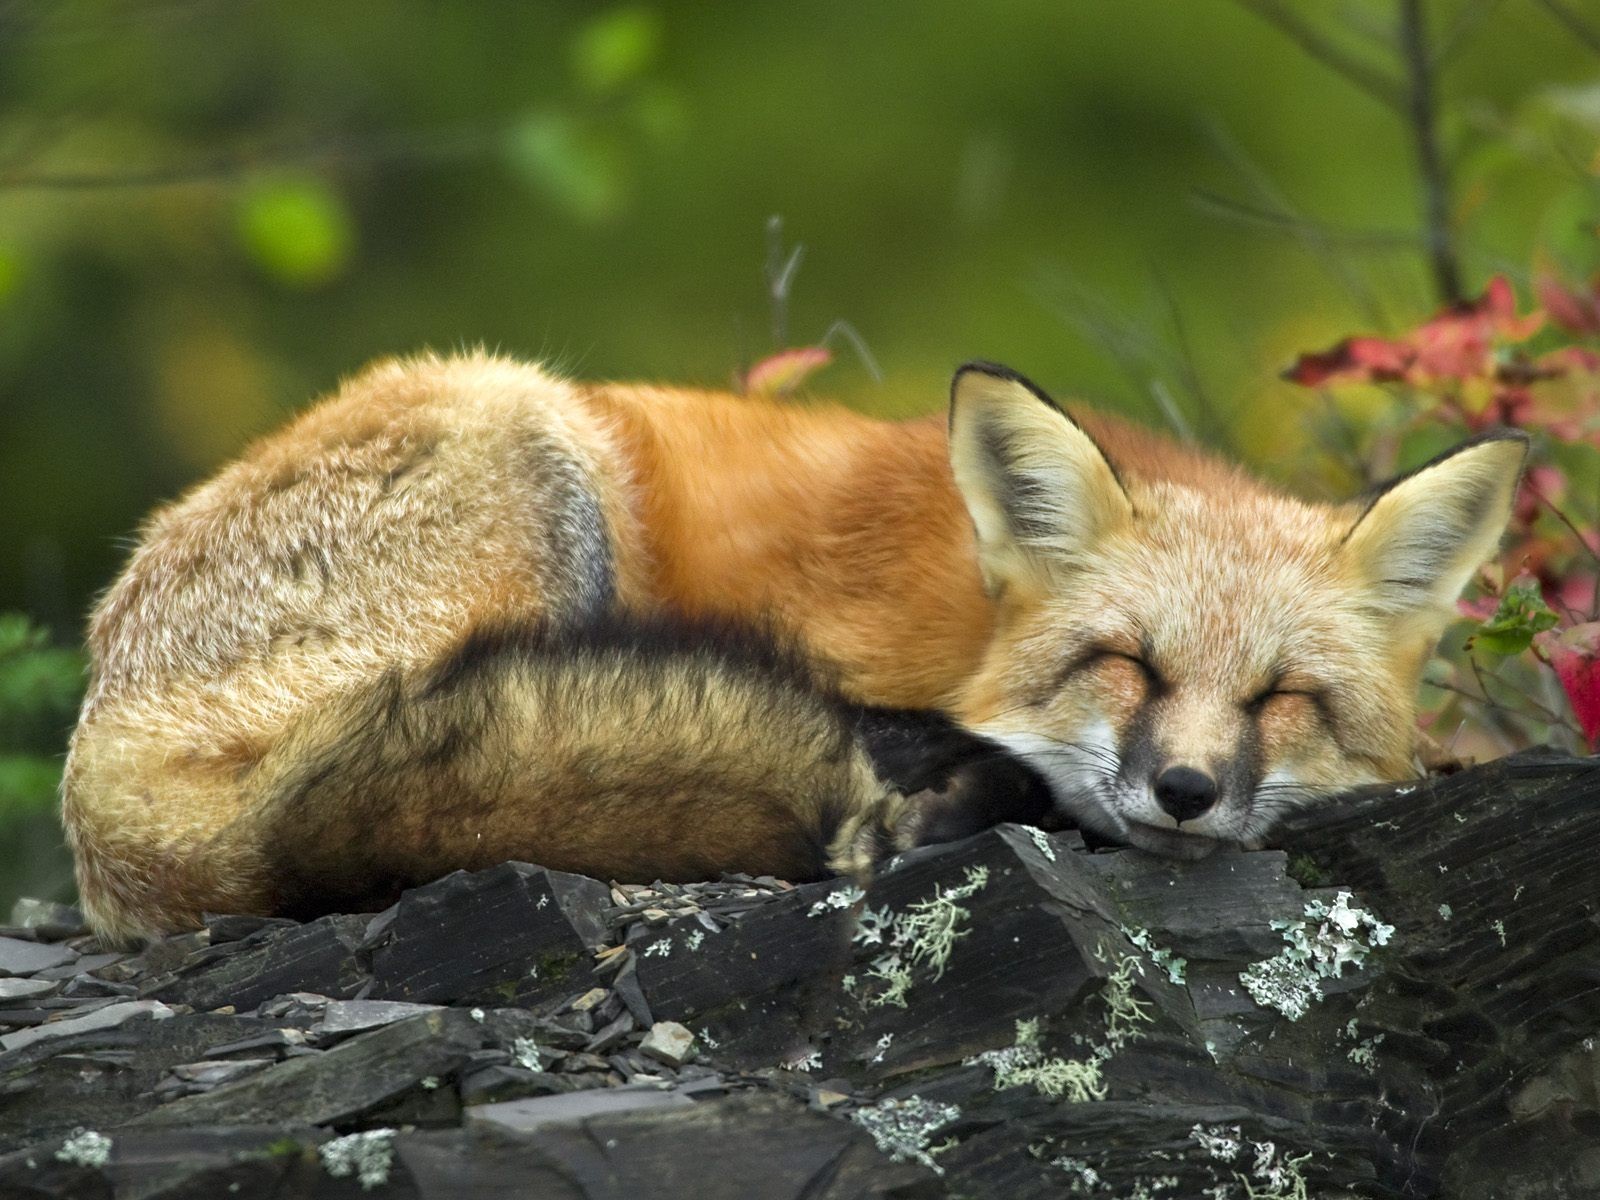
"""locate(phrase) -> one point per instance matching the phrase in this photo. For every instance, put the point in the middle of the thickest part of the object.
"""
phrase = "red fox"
(465, 611)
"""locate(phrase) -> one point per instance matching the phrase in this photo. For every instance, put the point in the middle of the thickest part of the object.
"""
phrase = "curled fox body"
(464, 611)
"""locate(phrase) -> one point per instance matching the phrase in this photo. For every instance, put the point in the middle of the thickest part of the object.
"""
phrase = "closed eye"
(1318, 699)
(1098, 654)
(1151, 675)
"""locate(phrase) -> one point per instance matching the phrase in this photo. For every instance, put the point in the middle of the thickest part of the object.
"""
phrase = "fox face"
(1184, 654)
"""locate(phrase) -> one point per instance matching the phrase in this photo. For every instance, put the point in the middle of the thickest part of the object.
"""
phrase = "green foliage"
(576, 164)
(616, 49)
(39, 690)
(1522, 614)
(296, 229)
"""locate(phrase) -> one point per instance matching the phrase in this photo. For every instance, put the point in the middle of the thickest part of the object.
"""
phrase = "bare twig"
(1576, 25)
(329, 151)
(843, 329)
(781, 269)
(1286, 221)
(1289, 22)
(1189, 370)
(1583, 542)
(1550, 717)
(1440, 236)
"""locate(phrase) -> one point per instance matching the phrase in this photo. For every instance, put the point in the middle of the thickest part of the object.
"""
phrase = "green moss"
(557, 966)
(1303, 869)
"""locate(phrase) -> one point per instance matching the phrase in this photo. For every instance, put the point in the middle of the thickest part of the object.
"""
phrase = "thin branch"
(781, 269)
(843, 329)
(1576, 25)
(1189, 370)
(1468, 21)
(1583, 542)
(1435, 184)
(325, 152)
(1287, 21)
(1287, 222)
(1550, 717)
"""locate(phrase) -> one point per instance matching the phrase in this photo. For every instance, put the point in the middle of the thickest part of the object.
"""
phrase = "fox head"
(1185, 657)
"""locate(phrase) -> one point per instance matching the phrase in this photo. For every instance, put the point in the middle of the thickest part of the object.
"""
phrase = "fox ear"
(1421, 538)
(1038, 488)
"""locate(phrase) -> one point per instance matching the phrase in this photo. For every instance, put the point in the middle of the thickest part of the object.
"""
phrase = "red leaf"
(783, 372)
(1575, 311)
(1357, 359)
(1574, 653)
(1456, 344)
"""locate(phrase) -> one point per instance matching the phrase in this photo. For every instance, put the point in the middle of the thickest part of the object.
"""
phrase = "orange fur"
(347, 552)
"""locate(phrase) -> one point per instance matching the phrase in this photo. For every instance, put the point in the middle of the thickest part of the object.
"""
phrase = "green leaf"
(297, 230)
(615, 48)
(39, 684)
(576, 165)
(1522, 614)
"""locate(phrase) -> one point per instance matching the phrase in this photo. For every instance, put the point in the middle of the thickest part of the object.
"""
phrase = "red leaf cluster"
(1469, 356)
(1459, 343)
(1469, 366)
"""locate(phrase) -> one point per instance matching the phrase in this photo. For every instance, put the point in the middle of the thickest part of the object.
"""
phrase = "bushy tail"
(626, 748)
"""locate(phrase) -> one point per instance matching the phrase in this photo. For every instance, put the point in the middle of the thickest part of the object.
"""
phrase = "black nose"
(1185, 792)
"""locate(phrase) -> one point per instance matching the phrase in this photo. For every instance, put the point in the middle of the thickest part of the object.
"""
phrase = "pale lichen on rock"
(368, 1156)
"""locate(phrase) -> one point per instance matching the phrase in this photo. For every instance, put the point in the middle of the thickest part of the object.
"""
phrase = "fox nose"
(1184, 792)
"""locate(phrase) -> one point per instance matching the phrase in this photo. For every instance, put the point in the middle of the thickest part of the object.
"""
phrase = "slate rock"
(526, 1116)
(108, 1017)
(511, 934)
(318, 956)
(506, 1082)
(18, 957)
(732, 1149)
(102, 1078)
(354, 1077)
(84, 965)
(343, 1017)
(182, 1164)
(25, 989)
(50, 921)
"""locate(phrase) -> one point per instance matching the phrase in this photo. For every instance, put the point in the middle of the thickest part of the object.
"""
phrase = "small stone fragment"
(668, 1042)
(589, 999)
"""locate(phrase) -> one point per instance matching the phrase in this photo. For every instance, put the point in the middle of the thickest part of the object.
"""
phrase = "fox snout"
(1184, 793)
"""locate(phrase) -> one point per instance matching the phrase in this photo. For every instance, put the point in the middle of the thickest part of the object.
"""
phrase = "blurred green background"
(210, 210)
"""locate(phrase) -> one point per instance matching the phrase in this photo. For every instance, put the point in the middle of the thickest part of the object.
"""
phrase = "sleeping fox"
(464, 611)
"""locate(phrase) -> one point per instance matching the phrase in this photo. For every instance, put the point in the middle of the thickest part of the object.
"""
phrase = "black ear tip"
(983, 366)
(997, 371)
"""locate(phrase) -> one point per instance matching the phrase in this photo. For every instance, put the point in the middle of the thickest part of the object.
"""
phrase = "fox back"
(1172, 653)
